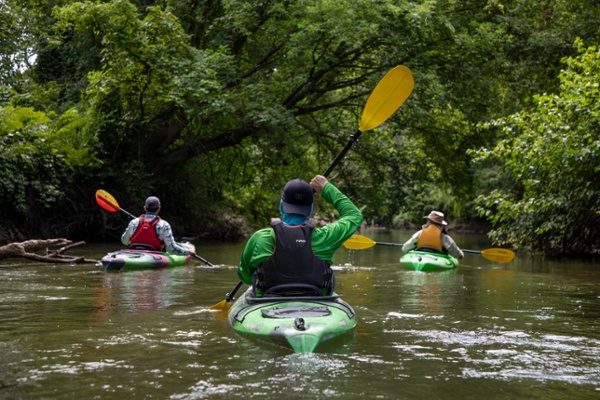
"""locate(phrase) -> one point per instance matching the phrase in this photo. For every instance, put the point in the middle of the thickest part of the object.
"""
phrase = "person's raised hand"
(318, 183)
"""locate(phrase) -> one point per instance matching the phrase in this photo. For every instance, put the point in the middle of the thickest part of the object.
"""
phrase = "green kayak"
(302, 323)
(134, 259)
(427, 261)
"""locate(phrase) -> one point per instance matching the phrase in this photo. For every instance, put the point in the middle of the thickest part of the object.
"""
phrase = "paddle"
(108, 202)
(229, 297)
(389, 94)
(358, 242)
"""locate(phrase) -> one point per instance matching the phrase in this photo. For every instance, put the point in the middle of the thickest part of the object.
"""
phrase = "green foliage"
(14, 51)
(151, 79)
(38, 153)
(29, 164)
(224, 101)
(552, 154)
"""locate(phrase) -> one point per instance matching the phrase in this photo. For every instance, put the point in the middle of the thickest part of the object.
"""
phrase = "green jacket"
(325, 240)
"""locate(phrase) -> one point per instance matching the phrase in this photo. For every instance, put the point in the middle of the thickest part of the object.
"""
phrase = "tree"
(552, 155)
(215, 104)
(271, 80)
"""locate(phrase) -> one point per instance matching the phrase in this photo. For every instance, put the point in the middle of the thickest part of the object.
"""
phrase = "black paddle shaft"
(353, 139)
(388, 244)
(203, 260)
(231, 296)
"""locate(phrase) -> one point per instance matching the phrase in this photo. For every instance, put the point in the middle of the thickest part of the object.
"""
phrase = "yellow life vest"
(431, 237)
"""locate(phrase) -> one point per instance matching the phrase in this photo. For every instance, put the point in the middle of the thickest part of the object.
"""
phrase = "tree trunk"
(28, 248)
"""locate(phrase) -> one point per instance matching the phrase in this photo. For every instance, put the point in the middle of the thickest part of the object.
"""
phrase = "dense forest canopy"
(213, 105)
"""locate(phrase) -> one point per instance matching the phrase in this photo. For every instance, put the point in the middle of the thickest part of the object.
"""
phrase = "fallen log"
(28, 249)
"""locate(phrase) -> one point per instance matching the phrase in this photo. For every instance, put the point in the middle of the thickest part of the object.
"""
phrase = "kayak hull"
(428, 262)
(300, 323)
(133, 259)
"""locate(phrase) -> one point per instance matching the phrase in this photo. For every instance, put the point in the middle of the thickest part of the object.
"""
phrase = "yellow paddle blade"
(498, 255)
(107, 201)
(358, 242)
(223, 305)
(387, 97)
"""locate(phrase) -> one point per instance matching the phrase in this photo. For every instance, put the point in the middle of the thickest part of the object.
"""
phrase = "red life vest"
(145, 233)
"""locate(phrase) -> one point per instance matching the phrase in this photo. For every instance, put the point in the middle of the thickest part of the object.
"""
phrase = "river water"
(529, 329)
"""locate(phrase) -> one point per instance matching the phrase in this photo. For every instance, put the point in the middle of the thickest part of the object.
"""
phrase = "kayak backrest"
(253, 300)
(141, 246)
(429, 249)
(293, 290)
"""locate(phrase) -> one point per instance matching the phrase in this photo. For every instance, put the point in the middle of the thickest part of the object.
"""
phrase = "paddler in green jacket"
(303, 253)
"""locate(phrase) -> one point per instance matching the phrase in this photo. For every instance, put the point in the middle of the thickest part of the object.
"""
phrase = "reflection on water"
(528, 329)
(141, 291)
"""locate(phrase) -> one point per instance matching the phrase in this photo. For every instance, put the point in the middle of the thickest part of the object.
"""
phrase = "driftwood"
(28, 248)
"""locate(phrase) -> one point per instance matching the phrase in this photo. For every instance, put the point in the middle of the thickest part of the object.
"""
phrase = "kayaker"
(152, 232)
(433, 237)
(303, 254)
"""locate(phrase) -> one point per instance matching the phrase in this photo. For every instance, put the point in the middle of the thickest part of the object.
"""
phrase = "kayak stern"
(427, 261)
(133, 259)
(302, 324)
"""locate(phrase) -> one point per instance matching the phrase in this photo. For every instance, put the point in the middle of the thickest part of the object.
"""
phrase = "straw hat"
(436, 217)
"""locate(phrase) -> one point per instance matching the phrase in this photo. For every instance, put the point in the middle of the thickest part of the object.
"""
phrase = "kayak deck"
(427, 261)
(301, 323)
(133, 259)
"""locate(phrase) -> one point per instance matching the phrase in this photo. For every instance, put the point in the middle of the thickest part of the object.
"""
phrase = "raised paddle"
(108, 202)
(389, 94)
(358, 242)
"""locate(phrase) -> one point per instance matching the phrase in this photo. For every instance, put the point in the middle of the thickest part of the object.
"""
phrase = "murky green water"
(525, 330)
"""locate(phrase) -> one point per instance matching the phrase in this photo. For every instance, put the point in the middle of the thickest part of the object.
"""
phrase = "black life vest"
(293, 261)
(145, 234)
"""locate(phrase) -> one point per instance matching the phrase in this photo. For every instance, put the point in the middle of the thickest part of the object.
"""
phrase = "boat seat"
(141, 246)
(428, 249)
(293, 290)
(258, 300)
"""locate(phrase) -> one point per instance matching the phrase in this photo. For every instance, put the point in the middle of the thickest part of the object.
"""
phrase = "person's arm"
(326, 240)
(258, 248)
(451, 247)
(165, 233)
(412, 242)
(131, 228)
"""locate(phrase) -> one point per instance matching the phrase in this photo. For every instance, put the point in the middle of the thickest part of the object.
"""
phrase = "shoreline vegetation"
(14, 235)
(214, 110)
